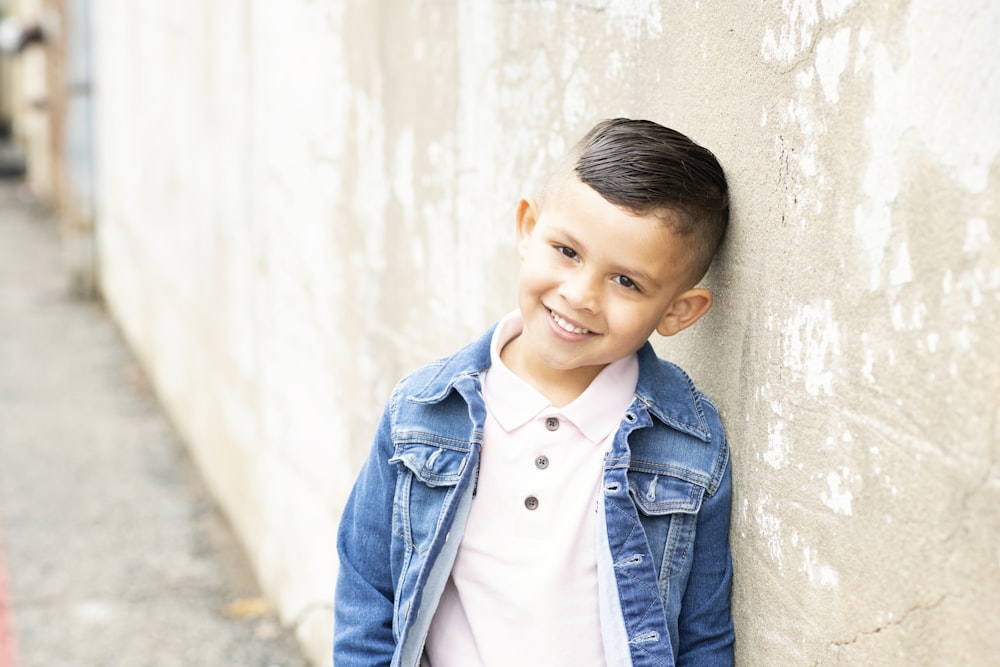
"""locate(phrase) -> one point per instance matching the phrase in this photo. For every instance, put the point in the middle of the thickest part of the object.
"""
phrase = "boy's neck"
(560, 387)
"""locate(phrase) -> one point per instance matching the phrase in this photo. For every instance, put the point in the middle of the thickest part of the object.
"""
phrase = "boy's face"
(595, 282)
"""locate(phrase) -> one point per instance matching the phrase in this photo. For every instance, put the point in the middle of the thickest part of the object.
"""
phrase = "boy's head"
(627, 226)
(649, 169)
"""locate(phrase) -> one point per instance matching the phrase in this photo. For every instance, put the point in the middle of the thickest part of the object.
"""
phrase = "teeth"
(563, 324)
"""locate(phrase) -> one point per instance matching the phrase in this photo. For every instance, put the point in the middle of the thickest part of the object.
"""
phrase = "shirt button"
(552, 423)
(531, 502)
(542, 462)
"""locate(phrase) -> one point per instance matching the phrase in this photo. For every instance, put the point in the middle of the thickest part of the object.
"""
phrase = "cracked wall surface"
(300, 201)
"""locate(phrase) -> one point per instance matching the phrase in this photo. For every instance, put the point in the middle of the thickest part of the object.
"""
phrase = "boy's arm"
(705, 625)
(363, 605)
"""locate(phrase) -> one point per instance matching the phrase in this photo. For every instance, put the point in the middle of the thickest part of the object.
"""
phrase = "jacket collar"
(670, 395)
(665, 390)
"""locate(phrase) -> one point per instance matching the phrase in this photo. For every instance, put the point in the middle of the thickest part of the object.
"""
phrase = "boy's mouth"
(566, 325)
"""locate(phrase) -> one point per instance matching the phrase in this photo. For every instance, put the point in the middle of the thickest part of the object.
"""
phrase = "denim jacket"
(664, 576)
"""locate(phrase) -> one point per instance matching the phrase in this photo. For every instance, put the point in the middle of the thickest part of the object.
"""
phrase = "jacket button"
(542, 462)
(552, 423)
(531, 503)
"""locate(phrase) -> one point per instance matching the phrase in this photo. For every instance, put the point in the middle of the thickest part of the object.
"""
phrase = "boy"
(554, 494)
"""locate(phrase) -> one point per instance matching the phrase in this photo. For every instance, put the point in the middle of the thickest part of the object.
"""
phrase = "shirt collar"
(597, 412)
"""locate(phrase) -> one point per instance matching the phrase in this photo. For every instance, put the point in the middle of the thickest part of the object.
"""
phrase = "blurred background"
(287, 205)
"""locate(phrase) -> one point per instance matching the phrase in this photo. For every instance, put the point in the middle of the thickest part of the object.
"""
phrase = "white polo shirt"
(523, 590)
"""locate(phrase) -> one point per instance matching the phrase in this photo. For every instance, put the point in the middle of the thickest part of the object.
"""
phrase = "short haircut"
(646, 168)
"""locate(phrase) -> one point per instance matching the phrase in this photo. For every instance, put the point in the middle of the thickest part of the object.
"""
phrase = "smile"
(566, 326)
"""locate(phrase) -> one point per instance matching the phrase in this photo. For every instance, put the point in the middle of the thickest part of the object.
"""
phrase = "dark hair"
(644, 167)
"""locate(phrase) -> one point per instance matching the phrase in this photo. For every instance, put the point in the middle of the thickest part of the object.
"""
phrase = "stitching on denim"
(431, 439)
(654, 599)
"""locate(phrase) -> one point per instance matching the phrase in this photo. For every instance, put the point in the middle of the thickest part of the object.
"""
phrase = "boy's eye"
(625, 281)
(568, 252)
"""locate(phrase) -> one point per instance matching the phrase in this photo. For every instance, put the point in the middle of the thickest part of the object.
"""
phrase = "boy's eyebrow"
(636, 274)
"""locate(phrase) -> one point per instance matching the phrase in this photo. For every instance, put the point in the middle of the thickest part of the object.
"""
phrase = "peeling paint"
(902, 272)
(769, 529)
(832, 54)
(794, 35)
(811, 345)
(977, 235)
(837, 496)
(969, 143)
(777, 446)
(834, 9)
(815, 571)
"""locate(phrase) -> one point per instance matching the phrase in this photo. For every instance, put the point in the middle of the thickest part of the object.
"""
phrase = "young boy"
(554, 494)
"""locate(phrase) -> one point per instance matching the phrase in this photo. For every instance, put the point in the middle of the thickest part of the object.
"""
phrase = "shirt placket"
(549, 432)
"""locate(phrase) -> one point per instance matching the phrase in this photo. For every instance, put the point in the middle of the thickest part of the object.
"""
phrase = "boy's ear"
(685, 311)
(527, 216)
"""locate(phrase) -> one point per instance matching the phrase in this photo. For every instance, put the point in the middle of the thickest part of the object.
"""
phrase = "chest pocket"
(434, 461)
(667, 505)
(431, 468)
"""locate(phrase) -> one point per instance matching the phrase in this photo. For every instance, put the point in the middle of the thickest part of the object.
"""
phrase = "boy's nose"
(581, 291)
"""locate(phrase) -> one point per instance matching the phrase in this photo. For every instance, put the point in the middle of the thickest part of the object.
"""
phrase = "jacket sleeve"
(705, 624)
(363, 603)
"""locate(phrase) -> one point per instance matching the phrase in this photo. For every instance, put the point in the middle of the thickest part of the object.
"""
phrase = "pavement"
(112, 552)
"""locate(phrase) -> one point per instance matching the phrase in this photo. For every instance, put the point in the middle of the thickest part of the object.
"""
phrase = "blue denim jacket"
(664, 578)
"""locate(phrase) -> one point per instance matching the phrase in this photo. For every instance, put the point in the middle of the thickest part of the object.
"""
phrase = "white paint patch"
(969, 142)
(402, 172)
(869, 365)
(818, 573)
(834, 9)
(872, 228)
(811, 345)
(770, 529)
(831, 60)
(776, 453)
(804, 79)
(802, 114)
(953, 116)
(864, 38)
(794, 36)
(902, 272)
(837, 496)
(977, 235)
(947, 282)
(828, 576)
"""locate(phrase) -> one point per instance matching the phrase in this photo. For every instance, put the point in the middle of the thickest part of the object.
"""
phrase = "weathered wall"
(300, 201)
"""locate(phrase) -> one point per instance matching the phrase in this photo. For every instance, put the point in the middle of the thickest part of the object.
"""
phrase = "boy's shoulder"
(693, 445)
(671, 395)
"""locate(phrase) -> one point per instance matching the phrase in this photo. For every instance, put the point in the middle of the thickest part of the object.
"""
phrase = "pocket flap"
(434, 464)
(655, 493)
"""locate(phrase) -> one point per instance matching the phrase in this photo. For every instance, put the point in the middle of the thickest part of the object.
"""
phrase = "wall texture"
(299, 201)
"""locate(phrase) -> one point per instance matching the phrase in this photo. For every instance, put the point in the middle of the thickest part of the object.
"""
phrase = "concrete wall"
(299, 201)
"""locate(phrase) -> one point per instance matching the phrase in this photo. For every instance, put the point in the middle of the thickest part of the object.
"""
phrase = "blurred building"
(45, 105)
